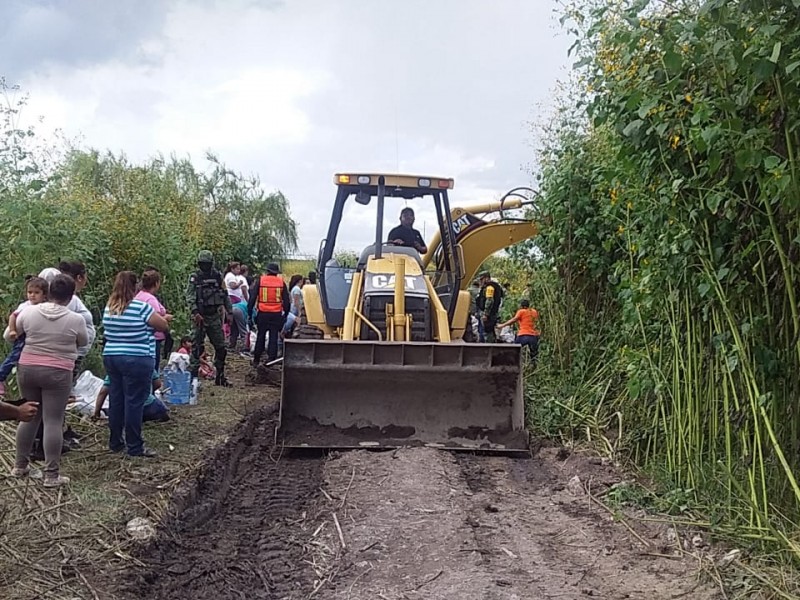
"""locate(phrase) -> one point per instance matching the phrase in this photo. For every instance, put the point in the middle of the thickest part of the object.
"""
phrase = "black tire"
(308, 332)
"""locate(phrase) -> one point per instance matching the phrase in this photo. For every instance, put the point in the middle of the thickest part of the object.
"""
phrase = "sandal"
(57, 481)
(28, 471)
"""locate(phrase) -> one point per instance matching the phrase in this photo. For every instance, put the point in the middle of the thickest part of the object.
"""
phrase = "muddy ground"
(408, 524)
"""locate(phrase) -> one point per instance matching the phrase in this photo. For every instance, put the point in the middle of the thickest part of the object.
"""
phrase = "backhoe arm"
(480, 239)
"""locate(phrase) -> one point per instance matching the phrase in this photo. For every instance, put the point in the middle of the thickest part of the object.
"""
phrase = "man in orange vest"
(271, 297)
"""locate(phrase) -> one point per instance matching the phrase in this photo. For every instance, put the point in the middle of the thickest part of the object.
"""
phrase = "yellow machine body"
(391, 368)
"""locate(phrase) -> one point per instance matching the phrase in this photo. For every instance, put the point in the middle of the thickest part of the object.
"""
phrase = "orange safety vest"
(270, 294)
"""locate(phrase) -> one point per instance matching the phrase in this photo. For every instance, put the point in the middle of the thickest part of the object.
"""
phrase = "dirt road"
(411, 524)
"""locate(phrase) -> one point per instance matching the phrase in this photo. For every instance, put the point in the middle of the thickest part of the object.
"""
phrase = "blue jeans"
(531, 342)
(155, 411)
(12, 359)
(131, 381)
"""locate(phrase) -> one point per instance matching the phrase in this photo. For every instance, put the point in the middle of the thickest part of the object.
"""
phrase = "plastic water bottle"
(195, 390)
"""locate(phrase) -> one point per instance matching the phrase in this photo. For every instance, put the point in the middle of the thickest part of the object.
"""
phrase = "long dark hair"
(293, 281)
(73, 268)
(123, 292)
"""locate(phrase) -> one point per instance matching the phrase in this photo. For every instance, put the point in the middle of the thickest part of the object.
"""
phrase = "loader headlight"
(344, 178)
(424, 183)
(363, 179)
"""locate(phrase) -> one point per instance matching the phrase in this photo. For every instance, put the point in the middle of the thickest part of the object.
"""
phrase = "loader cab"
(365, 189)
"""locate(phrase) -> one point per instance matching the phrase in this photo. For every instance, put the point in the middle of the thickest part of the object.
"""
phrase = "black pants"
(271, 323)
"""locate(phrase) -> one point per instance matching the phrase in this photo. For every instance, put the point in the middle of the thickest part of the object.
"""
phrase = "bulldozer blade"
(359, 394)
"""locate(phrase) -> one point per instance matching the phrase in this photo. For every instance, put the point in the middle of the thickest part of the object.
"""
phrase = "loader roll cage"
(334, 280)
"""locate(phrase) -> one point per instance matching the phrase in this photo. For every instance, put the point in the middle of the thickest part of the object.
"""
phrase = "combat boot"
(222, 380)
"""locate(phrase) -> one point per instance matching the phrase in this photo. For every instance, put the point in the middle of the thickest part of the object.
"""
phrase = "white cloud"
(257, 107)
(297, 91)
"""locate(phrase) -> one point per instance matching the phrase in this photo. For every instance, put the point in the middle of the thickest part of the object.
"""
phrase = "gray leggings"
(238, 328)
(49, 387)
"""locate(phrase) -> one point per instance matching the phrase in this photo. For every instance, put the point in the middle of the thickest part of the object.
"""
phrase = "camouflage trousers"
(212, 327)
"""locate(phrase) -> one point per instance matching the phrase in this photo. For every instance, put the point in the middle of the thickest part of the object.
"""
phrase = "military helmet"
(205, 256)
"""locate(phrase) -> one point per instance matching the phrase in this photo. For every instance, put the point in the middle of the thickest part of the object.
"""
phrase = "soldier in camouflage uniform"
(207, 299)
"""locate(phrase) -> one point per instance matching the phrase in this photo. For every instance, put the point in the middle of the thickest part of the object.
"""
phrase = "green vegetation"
(671, 247)
(113, 214)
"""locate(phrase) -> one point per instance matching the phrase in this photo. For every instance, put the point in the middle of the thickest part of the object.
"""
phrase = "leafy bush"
(669, 210)
(116, 215)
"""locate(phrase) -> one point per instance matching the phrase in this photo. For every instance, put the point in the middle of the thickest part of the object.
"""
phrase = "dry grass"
(51, 541)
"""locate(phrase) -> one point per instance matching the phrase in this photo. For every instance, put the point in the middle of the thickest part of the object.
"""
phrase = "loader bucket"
(360, 394)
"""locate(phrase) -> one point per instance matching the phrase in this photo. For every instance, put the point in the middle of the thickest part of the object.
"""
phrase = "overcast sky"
(296, 90)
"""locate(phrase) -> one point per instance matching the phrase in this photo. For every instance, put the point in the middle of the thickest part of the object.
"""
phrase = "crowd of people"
(52, 331)
(227, 307)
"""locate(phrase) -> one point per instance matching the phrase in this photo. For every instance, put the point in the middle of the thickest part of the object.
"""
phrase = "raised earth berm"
(263, 374)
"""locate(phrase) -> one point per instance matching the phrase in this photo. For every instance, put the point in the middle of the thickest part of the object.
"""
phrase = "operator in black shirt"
(405, 234)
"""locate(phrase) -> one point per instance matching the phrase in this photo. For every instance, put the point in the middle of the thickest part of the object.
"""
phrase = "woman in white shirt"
(236, 285)
(233, 283)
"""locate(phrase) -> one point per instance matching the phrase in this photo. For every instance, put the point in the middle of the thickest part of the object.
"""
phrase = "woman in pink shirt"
(151, 283)
(53, 334)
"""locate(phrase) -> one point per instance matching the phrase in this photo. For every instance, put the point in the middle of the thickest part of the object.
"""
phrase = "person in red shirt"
(527, 330)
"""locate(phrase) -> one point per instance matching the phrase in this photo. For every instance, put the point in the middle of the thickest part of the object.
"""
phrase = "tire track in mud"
(413, 524)
(427, 525)
(240, 531)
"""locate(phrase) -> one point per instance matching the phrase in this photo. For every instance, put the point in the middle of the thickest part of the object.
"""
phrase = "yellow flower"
(613, 195)
(688, 98)
(630, 205)
(620, 230)
(676, 139)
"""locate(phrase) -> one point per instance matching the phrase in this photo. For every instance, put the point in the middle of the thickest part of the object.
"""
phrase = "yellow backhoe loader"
(390, 367)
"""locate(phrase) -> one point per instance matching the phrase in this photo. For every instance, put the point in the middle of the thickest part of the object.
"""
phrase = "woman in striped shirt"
(128, 356)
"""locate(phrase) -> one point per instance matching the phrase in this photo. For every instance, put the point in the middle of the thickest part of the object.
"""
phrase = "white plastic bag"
(85, 391)
(179, 361)
(475, 327)
(507, 335)
(251, 341)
